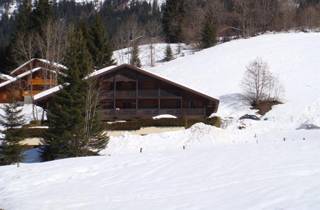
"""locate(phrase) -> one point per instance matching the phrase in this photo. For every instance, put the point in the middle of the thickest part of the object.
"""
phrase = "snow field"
(282, 175)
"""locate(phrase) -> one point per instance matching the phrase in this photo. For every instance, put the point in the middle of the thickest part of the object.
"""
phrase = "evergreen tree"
(135, 60)
(11, 120)
(208, 34)
(22, 29)
(172, 20)
(74, 127)
(41, 14)
(99, 45)
(23, 17)
(168, 53)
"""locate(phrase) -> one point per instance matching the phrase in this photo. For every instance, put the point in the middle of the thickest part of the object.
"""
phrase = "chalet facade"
(29, 79)
(127, 92)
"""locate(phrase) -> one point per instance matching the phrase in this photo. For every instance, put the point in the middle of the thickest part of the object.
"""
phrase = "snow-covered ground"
(272, 164)
(277, 175)
(218, 71)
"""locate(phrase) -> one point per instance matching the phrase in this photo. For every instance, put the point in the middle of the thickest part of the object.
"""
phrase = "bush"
(259, 85)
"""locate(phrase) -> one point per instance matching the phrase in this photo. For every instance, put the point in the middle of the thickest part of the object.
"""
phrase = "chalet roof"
(41, 60)
(13, 79)
(47, 92)
(110, 69)
(5, 77)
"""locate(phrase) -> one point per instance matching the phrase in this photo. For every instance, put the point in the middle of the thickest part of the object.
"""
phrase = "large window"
(148, 85)
(126, 85)
(170, 104)
(106, 104)
(125, 104)
(148, 104)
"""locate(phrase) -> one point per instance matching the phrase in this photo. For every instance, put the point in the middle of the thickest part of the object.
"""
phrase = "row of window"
(150, 104)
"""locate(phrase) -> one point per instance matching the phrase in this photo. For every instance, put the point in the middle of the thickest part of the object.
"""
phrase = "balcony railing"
(132, 94)
(151, 112)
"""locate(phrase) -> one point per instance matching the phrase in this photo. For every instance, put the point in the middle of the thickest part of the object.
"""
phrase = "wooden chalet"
(29, 79)
(128, 92)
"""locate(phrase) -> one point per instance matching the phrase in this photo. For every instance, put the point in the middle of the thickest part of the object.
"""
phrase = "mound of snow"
(164, 116)
(175, 140)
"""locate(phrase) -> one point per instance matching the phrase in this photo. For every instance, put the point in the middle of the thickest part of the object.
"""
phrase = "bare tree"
(53, 41)
(24, 50)
(93, 131)
(49, 44)
(153, 29)
(259, 85)
(125, 37)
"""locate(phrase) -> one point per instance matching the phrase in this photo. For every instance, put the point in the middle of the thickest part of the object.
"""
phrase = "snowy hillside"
(218, 71)
(272, 164)
(178, 50)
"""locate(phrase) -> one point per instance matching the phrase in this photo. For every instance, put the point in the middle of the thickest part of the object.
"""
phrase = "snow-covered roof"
(41, 60)
(101, 71)
(47, 92)
(5, 77)
(13, 79)
(116, 67)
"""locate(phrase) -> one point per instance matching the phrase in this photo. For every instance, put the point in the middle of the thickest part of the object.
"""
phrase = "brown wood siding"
(127, 94)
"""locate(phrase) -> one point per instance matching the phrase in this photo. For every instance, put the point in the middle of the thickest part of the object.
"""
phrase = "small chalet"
(29, 79)
(128, 92)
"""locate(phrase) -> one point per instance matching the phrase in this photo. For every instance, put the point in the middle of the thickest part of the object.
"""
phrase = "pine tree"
(41, 14)
(168, 53)
(208, 34)
(22, 29)
(173, 15)
(74, 127)
(11, 120)
(99, 45)
(135, 60)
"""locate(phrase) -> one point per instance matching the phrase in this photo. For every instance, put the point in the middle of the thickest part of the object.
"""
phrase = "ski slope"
(272, 164)
(278, 175)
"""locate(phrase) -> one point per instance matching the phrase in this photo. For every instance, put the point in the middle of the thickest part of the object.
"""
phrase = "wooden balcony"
(141, 94)
(149, 113)
(43, 82)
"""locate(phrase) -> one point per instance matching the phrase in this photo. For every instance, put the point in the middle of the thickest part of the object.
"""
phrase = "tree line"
(200, 22)
(32, 25)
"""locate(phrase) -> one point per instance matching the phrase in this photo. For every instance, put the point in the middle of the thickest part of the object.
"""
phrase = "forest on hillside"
(41, 28)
